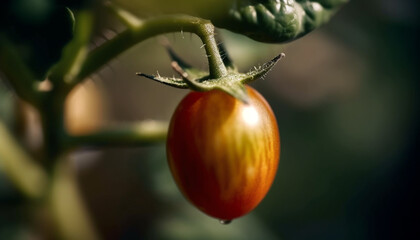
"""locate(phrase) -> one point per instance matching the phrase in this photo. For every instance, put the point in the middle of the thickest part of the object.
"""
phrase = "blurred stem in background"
(28, 176)
(138, 134)
(74, 66)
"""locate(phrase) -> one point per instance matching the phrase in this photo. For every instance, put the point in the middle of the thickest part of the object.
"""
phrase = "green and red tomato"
(223, 153)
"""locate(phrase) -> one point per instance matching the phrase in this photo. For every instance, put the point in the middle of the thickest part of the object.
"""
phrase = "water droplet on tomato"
(225, 221)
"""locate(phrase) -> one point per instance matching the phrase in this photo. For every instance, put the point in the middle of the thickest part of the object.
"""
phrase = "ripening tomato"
(223, 154)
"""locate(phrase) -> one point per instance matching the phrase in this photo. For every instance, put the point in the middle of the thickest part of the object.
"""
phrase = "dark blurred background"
(347, 104)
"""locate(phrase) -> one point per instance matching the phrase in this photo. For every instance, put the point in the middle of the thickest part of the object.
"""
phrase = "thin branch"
(29, 177)
(150, 28)
(67, 204)
(75, 52)
(124, 16)
(16, 72)
(137, 134)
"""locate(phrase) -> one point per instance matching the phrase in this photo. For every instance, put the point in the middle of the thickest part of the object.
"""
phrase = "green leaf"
(274, 21)
(277, 21)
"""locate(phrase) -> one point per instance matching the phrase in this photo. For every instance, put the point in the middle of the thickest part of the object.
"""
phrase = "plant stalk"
(150, 28)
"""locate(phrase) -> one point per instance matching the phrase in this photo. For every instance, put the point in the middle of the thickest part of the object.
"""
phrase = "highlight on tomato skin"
(223, 154)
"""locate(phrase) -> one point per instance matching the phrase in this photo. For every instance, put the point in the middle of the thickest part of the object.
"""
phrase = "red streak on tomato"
(223, 154)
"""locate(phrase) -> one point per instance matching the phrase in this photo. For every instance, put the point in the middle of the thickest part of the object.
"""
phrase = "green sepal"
(232, 83)
(173, 81)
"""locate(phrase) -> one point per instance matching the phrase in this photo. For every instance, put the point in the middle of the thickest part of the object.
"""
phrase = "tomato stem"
(150, 28)
(217, 68)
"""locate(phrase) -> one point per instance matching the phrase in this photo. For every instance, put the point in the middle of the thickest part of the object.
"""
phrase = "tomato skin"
(223, 154)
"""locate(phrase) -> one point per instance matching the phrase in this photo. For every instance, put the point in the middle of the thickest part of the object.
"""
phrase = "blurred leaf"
(39, 30)
(75, 4)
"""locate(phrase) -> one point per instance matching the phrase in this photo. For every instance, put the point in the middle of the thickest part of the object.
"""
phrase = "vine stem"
(27, 175)
(150, 28)
(20, 77)
(145, 132)
(66, 204)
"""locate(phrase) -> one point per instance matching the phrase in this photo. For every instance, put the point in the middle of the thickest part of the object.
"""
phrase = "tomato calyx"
(195, 79)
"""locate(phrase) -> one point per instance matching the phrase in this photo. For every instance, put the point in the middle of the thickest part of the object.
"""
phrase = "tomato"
(223, 154)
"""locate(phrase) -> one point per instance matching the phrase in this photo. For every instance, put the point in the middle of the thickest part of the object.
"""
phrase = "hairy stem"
(150, 28)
